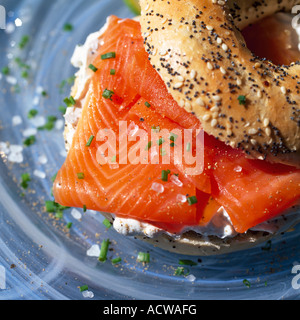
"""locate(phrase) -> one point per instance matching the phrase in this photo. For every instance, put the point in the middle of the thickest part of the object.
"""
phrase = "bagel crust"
(247, 102)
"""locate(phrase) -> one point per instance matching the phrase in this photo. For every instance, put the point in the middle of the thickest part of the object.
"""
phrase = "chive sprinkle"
(69, 225)
(165, 175)
(80, 175)
(84, 288)
(188, 147)
(149, 145)
(68, 27)
(106, 223)
(247, 283)
(104, 250)
(84, 208)
(192, 200)
(23, 42)
(107, 94)
(90, 141)
(181, 271)
(32, 113)
(160, 141)
(29, 141)
(93, 68)
(108, 55)
(143, 257)
(69, 101)
(25, 178)
(112, 72)
(147, 104)
(5, 71)
(242, 100)
(116, 260)
(187, 263)
(173, 137)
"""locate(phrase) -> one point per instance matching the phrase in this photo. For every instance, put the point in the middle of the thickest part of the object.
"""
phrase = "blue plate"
(40, 258)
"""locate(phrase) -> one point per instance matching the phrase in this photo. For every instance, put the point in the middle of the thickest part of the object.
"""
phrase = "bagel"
(243, 100)
(173, 44)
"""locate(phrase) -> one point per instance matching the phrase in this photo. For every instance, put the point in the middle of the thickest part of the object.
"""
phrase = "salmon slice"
(122, 171)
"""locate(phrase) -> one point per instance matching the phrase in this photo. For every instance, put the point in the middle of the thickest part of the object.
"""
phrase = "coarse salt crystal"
(93, 251)
(174, 179)
(16, 120)
(42, 159)
(76, 214)
(181, 198)
(157, 187)
(29, 132)
(39, 174)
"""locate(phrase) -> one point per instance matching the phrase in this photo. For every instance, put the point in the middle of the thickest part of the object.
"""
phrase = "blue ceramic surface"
(39, 257)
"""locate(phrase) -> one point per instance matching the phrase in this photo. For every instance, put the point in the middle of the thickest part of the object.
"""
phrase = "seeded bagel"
(245, 101)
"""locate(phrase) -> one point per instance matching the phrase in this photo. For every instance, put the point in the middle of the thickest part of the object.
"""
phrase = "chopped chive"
(54, 207)
(172, 144)
(181, 271)
(116, 260)
(112, 72)
(143, 257)
(5, 71)
(149, 145)
(187, 263)
(147, 104)
(93, 68)
(25, 178)
(160, 141)
(113, 159)
(69, 225)
(49, 125)
(45, 94)
(104, 250)
(32, 113)
(24, 74)
(23, 42)
(84, 208)
(188, 147)
(21, 64)
(80, 175)
(242, 100)
(84, 288)
(192, 200)
(68, 27)
(163, 152)
(107, 94)
(59, 214)
(29, 141)
(165, 175)
(108, 55)
(90, 141)
(247, 283)
(173, 137)
(62, 109)
(106, 223)
(69, 101)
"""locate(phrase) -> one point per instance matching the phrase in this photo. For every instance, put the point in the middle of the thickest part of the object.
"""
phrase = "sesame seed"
(209, 66)
(216, 98)
(219, 40)
(223, 70)
(268, 132)
(224, 47)
(210, 28)
(215, 109)
(266, 122)
(206, 117)
(214, 123)
(200, 102)
(193, 74)
(252, 131)
(283, 90)
(178, 85)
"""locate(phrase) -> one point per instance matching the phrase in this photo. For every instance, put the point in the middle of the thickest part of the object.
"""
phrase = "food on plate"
(179, 134)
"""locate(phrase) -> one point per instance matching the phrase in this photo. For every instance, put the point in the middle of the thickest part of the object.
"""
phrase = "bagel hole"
(274, 39)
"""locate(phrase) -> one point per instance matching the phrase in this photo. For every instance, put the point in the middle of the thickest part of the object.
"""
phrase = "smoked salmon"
(126, 92)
